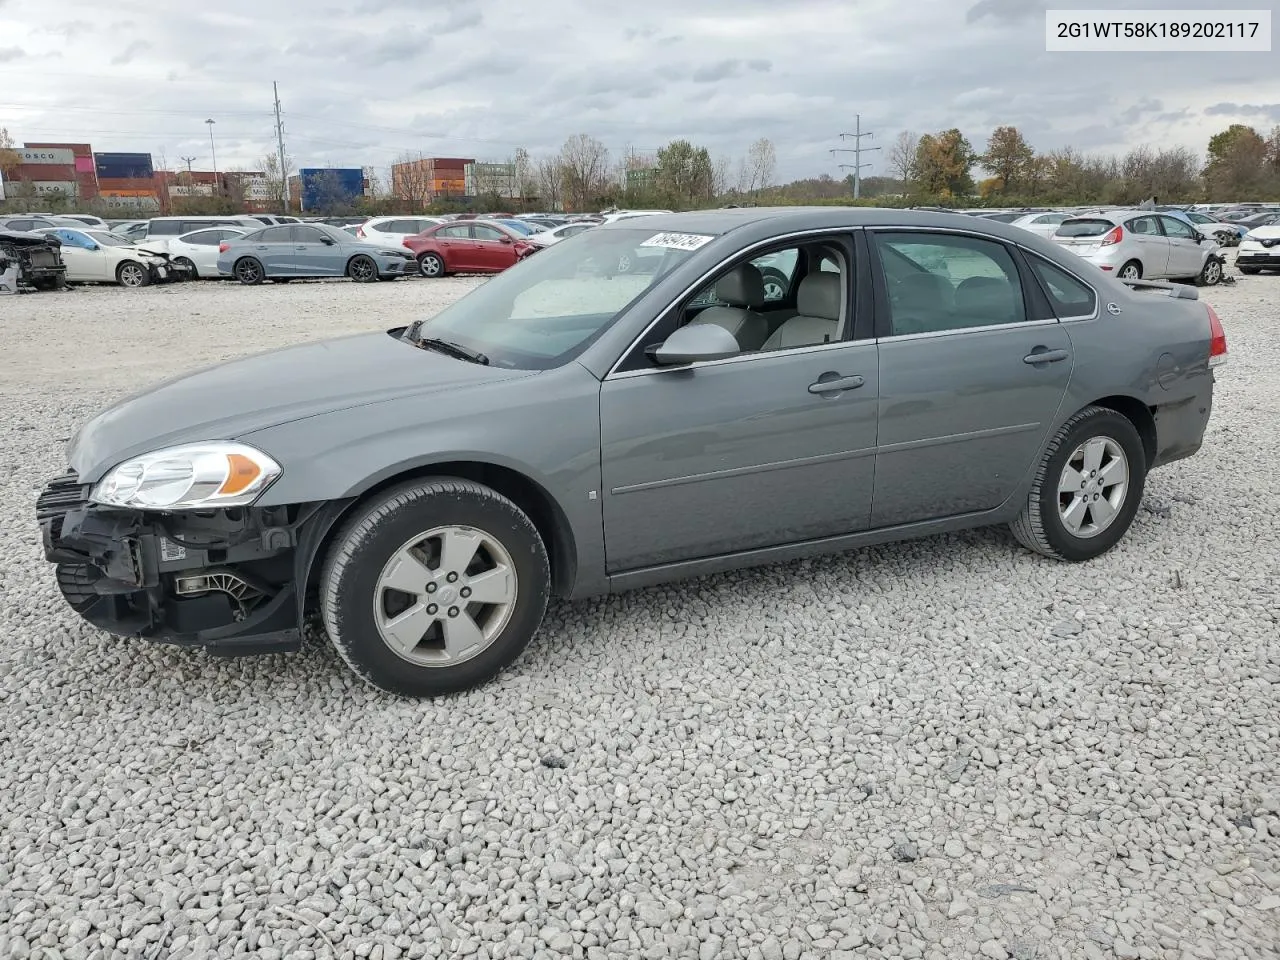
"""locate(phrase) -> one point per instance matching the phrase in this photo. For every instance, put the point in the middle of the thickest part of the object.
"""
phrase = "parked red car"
(470, 246)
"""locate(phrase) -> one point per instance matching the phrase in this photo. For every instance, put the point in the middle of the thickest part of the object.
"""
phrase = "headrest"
(820, 296)
(743, 286)
(986, 296)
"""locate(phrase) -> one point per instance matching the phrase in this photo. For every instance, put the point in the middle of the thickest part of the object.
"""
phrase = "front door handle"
(834, 383)
(1045, 356)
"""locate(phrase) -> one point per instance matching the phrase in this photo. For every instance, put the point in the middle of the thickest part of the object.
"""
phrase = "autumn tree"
(902, 155)
(1236, 167)
(758, 167)
(684, 175)
(943, 162)
(277, 179)
(584, 163)
(1009, 158)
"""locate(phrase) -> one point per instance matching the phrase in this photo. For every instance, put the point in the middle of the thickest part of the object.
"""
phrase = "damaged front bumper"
(223, 579)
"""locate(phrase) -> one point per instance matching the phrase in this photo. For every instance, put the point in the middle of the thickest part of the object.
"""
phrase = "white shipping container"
(61, 157)
(68, 188)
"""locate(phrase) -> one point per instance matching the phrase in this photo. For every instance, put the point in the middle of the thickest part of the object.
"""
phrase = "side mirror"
(506, 240)
(328, 241)
(695, 343)
(94, 246)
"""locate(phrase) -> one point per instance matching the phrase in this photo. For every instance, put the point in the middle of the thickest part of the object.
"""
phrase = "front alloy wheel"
(362, 269)
(132, 274)
(434, 587)
(1211, 275)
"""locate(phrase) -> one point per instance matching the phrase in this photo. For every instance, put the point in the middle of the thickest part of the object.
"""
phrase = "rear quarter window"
(1070, 297)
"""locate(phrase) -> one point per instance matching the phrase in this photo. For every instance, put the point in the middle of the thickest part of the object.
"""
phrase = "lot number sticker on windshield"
(677, 241)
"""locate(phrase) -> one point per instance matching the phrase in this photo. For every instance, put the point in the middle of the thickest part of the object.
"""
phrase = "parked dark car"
(468, 246)
(38, 258)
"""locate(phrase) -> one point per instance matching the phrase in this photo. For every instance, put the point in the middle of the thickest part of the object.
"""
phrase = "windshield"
(545, 310)
(110, 239)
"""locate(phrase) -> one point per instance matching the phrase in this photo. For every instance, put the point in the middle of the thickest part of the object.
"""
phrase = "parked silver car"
(570, 430)
(1134, 244)
(295, 251)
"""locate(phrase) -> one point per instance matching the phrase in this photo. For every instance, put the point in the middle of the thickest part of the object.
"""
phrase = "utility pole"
(188, 161)
(213, 150)
(284, 171)
(857, 150)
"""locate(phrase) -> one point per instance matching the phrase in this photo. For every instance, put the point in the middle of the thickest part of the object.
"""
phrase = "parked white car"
(99, 256)
(545, 238)
(628, 214)
(1043, 224)
(1142, 244)
(393, 230)
(198, 249)
(1259, 250)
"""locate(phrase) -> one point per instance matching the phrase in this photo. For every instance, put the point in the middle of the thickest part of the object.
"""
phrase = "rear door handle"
(834, 383)
(1045, 356)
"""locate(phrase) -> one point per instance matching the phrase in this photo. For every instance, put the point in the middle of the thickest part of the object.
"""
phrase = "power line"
(858, 150)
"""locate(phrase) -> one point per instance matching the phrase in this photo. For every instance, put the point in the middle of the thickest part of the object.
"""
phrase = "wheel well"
(1140, 415)
(529, 496)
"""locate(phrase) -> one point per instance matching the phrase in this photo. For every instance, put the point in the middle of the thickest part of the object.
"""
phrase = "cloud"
(1014, 10)
(715, 72)
(459, 20)
(1263, 111)
(1141, 109)
(132, 50)
(70, 30)
(9, 54)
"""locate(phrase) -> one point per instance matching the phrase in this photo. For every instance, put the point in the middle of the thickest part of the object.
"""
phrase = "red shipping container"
(44, 171)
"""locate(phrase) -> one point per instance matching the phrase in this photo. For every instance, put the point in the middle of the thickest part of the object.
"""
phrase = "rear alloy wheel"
(190, 265)
(248, 270)
(362, 269)
(1131, 271)
(1211, 275)
(775, 284)
(1087, 489)
(132, 274)
(430, 265)
(435, 587)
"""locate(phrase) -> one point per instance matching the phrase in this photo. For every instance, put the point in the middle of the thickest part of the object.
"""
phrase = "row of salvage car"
(50, 259)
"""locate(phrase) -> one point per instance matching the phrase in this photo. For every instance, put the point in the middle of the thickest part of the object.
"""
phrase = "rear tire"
(437, 538)
(1073, 488)
(1132, 270)
(190, 264)
(249, 271)
(430, 265)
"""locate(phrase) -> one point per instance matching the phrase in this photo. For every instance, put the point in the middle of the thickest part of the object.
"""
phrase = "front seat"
(742, 288)
(818, 301)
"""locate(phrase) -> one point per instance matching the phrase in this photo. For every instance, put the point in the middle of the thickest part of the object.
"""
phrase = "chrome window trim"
(741, 358)
(985, 328)
(816, 234)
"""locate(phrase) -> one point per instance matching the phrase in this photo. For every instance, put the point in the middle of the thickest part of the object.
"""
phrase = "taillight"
(1217, 339)
(223, 247)
(1114, 235)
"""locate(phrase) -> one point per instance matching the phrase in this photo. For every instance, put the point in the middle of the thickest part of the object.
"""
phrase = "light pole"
(213, 150)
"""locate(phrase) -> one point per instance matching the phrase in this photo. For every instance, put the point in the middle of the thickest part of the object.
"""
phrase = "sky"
(363, 82)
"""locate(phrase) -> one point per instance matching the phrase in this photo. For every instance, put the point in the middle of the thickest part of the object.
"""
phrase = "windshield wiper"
(453, 349)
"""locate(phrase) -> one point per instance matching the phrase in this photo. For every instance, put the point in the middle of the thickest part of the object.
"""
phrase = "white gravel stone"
(1072, 751)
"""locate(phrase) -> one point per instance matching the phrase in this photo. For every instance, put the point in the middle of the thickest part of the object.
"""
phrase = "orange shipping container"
(128, 193)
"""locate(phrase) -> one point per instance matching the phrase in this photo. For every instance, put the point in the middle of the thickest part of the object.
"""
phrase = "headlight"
(194, 477)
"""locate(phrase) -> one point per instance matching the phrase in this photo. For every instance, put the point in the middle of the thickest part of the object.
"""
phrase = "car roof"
(783, 219)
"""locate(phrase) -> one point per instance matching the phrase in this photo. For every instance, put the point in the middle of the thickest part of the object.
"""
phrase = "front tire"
(362, 269)
(1211, 273)
(435, 587)
(1087, 488)
(132, 274)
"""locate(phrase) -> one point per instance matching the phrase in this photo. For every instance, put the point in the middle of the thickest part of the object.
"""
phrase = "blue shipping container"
(330, 186)
(124, 166)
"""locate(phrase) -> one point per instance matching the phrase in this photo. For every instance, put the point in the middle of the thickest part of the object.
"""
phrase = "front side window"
(547, 309)
(1071, 298)
(482, 231)
(304, 234)
(1175, 228)
(940, 282)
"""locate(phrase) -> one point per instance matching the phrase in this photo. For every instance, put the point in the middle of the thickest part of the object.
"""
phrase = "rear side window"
(1071, 298)
(1084, 227)
(276, 235)
(170, 228)
(205, 238)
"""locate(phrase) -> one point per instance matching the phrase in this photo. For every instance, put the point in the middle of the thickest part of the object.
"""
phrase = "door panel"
(736, 455)
(488, 250)
(1150, 245)
(1184, 252)
(962, 416)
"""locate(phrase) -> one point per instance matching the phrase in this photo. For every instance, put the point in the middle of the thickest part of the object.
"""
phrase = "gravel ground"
(943, 749)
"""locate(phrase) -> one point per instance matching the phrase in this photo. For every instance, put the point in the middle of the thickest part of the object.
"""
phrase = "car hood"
(1264, 233)
(238, 397)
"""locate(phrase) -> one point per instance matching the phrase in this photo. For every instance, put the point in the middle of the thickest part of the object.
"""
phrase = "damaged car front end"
(166, 547)
(37, 258)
